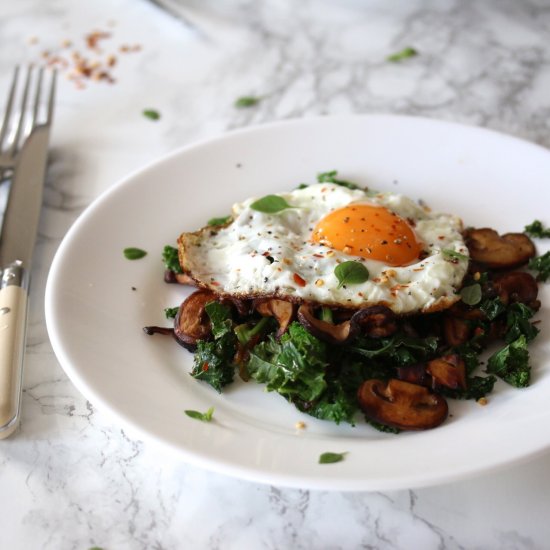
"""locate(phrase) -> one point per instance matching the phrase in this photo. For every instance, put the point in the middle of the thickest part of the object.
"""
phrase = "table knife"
(17, 240)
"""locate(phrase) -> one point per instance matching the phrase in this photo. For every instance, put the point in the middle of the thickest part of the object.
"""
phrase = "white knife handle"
(13, 317)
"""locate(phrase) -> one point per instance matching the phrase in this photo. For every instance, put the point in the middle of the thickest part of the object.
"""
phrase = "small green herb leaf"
(537, 229)
(405, 53)
(331, 458)
(330, 177)
(453, 255)
(542, 265)
(151, 114)
(270, 204)
(247, 101)
(171, 312)
(351, 273)
(205, 417)
(471, 295)
(134, 253)
(218, 221)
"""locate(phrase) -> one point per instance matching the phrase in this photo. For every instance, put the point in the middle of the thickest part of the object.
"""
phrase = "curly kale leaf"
(476, 388)
(213, 361)
(511, 363)
(170, 259)
(294, 367)
(518, 322)
(537, 229)
(542, 265)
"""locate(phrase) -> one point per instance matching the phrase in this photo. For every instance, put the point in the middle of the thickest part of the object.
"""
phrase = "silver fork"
(20, 120)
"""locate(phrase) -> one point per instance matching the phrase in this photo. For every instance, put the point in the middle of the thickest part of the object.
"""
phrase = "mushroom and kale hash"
(369, 303)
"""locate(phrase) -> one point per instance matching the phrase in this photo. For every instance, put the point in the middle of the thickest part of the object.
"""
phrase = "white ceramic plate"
(95, 317)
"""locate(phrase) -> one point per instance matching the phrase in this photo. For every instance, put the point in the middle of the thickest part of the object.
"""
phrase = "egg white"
(260, 254)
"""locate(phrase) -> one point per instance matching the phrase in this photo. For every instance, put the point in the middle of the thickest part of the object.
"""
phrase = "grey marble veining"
(70, 478)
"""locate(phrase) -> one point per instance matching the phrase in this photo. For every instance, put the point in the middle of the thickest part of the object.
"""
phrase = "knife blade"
(17, 241)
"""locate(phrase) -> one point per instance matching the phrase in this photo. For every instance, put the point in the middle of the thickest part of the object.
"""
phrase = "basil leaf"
(246, 101)
(204, 417)
(471, 295)
(218, 221)
(452, 254)
(351, 273)
(331, 458)
(405, 53)
(536, 229)
(270, 204)
(151, 114)
(134, 253)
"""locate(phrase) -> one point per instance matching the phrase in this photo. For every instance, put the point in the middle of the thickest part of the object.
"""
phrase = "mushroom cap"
(402, 405)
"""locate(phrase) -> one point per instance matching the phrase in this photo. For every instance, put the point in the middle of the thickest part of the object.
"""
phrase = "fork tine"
(51, 100)
(14, 145)
(37, 98)
(9, 106)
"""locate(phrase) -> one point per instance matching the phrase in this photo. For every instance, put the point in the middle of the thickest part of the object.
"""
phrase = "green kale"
(331, 177)
(542, 265)
(335, 404)
(492, 307)
(171, 312)
(537, 229)
(382, 427)
(213, 360)
(170, 259)
(294, 366)
(220, 318)
(518, 322)
(469, 352)
(399, 349)
(511, 363)
(476, 388)
(248, 331)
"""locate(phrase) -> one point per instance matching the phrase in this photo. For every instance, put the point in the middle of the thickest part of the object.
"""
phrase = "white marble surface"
(70, 479)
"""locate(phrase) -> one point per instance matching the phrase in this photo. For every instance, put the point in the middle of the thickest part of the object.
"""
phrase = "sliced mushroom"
(517, 286)
(282, 310)
(172, 277)
(455, 330)
(401, 404)
(335, 334)
(192, 323)
(375, 321)
(415, 374)
(496, 251)
(448, 371)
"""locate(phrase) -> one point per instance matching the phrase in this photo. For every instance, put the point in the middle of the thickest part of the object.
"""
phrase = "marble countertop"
(70, 478)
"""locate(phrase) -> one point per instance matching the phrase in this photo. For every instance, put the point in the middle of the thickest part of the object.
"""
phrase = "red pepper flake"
(298, 280)
(205, 366)
(318, 256)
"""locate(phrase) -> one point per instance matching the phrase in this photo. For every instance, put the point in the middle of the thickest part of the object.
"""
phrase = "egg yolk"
(370, 231)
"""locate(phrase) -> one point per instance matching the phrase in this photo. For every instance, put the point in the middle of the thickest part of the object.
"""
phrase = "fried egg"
(415, 259)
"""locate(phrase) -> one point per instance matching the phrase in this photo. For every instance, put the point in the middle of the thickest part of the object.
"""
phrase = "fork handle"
(13, 316)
